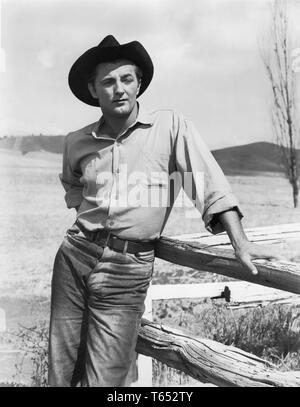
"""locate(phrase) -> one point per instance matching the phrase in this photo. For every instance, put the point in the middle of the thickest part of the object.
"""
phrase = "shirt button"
(111, 223)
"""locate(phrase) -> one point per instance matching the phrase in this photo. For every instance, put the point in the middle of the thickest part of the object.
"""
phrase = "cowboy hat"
(109, 49)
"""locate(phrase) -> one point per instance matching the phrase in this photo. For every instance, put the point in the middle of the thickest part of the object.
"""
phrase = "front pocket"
(85, 249)
(143, 257)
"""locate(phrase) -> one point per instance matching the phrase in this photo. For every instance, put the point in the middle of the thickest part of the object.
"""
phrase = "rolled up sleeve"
(210, 191)
(70, 180)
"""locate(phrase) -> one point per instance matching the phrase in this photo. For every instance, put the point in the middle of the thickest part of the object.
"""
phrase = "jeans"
(97, 302)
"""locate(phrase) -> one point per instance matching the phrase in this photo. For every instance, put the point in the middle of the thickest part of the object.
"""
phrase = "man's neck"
(115, 126)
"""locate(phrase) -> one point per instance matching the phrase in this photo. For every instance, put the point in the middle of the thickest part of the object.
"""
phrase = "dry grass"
(34, 219)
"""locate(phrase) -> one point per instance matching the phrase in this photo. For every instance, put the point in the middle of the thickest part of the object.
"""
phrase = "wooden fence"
(206, 360)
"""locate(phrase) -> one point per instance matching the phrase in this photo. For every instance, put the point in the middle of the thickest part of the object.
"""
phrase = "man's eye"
(107, 82)
(128, 79)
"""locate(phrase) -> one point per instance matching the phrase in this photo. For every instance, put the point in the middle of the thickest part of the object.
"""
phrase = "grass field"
(34, 219)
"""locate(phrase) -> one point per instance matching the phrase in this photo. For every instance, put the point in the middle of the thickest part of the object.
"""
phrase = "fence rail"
(280, 275)
(210, 361)
(205, 252)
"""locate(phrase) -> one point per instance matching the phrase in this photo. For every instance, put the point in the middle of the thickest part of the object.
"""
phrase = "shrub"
(270, 332)
(33, 341)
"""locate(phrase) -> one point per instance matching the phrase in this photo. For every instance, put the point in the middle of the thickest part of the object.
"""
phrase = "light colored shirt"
(123, 185)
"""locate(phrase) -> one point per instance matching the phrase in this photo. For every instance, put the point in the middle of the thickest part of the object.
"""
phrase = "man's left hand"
(248, 251)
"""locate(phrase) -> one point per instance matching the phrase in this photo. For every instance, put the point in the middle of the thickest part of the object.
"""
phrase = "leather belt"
(105, 238)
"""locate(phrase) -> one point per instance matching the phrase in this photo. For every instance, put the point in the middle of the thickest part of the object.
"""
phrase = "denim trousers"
(97, 302)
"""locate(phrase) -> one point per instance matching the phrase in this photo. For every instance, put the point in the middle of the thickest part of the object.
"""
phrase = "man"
(112, 170)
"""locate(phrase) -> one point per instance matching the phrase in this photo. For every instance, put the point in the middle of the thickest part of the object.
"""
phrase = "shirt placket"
(113, 196)
(114, 188)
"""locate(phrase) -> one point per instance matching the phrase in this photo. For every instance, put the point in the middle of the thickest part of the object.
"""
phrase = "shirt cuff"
(73, 197)
(222, 204)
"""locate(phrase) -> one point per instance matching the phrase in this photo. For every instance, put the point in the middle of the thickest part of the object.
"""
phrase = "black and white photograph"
(150, 208)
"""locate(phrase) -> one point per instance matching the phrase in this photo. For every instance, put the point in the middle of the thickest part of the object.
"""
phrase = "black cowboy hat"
(109, 49)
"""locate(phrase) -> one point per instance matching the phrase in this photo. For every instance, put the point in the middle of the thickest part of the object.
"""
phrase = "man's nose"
(119, 89)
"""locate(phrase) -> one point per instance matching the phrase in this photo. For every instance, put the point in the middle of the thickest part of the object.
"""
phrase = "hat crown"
(109, 41)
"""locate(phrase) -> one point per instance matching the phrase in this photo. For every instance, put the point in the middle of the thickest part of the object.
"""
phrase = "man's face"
(116, 87)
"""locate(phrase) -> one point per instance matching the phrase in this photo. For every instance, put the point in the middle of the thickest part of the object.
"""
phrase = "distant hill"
(248, 158)
(254, 157)
(25, 144)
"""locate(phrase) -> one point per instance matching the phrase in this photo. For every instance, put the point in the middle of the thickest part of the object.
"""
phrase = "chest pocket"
(156, 178)
(156, 169)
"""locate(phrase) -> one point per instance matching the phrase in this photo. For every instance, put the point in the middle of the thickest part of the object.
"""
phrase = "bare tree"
(277, 58)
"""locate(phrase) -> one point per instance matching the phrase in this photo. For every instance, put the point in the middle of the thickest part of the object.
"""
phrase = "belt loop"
(107, 239)
(125, 247)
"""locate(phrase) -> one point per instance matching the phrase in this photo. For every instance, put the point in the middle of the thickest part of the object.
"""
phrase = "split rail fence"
(205, 360)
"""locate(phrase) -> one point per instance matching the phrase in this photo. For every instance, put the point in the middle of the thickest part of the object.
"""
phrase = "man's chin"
(118, 111)
(121, 111)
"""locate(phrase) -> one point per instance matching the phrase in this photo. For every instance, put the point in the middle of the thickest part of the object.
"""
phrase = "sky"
(205, 53)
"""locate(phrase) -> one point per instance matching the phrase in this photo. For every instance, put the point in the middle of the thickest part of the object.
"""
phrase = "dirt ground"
(34, 219)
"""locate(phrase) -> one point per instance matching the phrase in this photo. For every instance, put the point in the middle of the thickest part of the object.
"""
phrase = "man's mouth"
(120, 101)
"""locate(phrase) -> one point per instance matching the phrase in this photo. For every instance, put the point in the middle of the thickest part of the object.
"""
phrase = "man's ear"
(92, 90)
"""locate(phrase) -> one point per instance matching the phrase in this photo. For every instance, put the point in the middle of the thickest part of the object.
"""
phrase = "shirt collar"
(143, 117)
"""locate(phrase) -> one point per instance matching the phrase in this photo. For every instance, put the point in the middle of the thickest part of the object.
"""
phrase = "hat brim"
(83, 67)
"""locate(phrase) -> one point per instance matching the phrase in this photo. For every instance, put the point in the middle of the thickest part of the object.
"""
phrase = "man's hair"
(138, 71)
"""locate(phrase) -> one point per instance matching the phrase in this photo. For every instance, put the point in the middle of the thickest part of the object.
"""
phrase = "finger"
(271, 258)
(249, 266)
(272, 254)
(268, 256)
(254, 270)
(277, 258)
